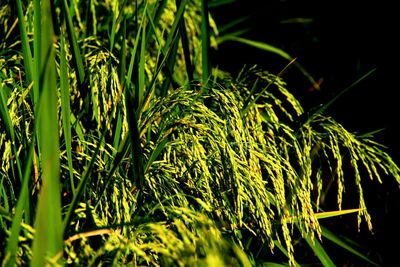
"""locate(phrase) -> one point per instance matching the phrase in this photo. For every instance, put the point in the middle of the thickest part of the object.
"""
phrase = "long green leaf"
(247, 104)
(205, 41)
(82, 185)
(66, 109)
(132, 61)
(5, 115)
(154, 20)
(74, 43)
(155, 153)
(139, 94)
(170, 49)
(218, 3)
(37, 54)
(26, 50)
(259, 45)
(269, 48)
(229, 25)
(122, 66)
(134, 138)
(284, 251)
(341, 243)
(185, 46)
(48, 241)
(175, 24)
(169, 65)
(320, 252)
(9, 128)
(163, 63)
(336, 97)
(12, 242)
(329, 214)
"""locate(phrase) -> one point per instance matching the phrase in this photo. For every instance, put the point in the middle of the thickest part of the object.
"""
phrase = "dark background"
(339, 43)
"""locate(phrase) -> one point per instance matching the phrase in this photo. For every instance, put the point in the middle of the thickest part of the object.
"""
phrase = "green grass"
(47, 244)
(122, 145)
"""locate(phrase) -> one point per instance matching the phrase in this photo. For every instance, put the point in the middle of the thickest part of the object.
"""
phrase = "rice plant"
(121, 145)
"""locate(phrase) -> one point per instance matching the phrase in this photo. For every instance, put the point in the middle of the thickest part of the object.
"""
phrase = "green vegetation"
(121, 145)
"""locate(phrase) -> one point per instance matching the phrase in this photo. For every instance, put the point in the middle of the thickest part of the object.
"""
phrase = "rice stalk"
(168, 171)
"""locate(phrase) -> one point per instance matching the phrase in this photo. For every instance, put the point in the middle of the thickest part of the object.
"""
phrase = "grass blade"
(5, 115)
(81, 186)
(66, 109)
(230, 25)
(337, 96)
(284, 251)
(170, 49)
(259, 45)
(132, 61)
(72, 38)
(169, 66)
(37, 54)
(175, 25)
(185, 46)
(247, 103)
(122, 66)
(26, 50)
(218, 3)
(205, 41)
(154, 20)
(269, 48)
(338, 241)
(163, 63)
(48, 242)
(115, 21)
(12, 242)
(320, 252)
(329, 214)
(134, 137)
(155, 153)
(139, 94)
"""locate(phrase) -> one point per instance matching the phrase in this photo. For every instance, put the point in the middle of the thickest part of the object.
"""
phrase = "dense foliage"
(121, 145)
